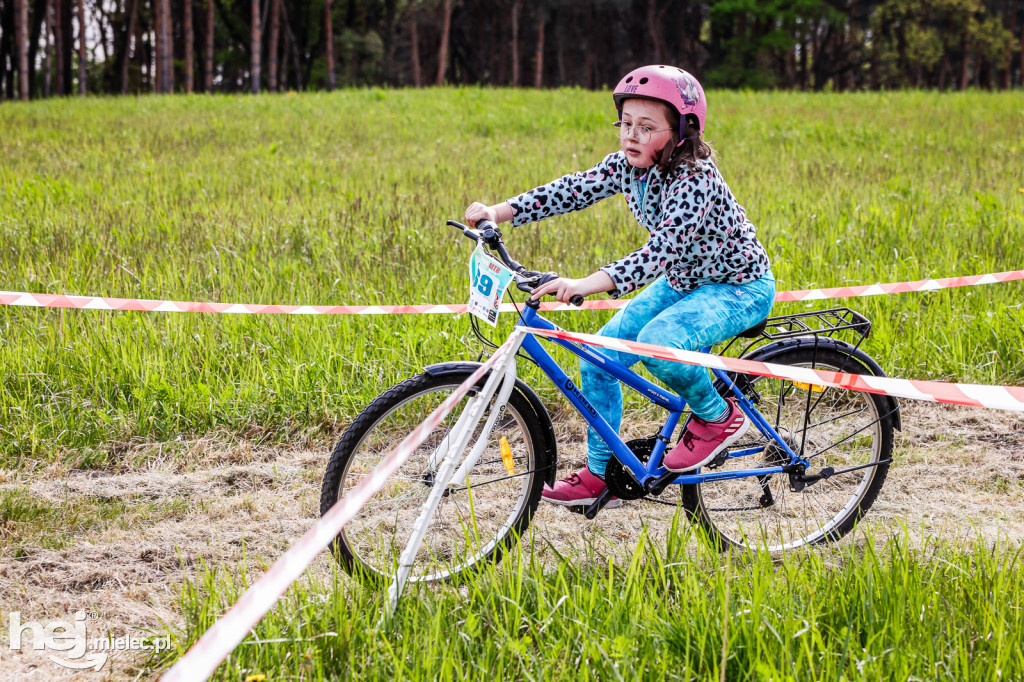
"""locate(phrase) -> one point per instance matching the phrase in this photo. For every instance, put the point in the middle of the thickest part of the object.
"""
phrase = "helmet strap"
(684, 139)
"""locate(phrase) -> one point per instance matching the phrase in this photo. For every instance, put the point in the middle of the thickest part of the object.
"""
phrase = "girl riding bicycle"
(709, 277)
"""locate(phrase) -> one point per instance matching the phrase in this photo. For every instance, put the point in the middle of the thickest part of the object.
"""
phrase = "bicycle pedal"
(577, 509)
(720, 459)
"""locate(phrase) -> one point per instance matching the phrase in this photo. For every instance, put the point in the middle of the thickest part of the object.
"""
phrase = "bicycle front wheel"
(475, 522)
(832, 427)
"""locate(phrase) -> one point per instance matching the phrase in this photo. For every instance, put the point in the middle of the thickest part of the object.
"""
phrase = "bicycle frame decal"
(571, 387)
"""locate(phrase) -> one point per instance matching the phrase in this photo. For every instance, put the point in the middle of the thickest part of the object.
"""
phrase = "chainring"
(619, 479)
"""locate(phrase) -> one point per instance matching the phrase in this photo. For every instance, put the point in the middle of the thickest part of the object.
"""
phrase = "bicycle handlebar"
(526, 280)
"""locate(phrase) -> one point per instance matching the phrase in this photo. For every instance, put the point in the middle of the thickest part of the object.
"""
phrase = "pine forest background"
(162, 46)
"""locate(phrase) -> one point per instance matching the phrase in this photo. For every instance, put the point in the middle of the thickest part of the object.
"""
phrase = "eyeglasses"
(625, 130)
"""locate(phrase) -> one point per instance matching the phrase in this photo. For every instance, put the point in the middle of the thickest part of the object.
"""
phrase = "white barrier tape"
(230, 629)
(979, 395)
(29, 300)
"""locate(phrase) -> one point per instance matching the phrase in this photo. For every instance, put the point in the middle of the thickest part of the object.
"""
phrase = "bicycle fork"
(501, 381)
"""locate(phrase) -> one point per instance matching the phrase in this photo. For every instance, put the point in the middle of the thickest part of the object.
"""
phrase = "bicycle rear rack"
(828, 322)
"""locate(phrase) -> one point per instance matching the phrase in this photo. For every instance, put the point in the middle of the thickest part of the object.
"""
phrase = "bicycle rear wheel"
(475, 521)
(833, 427)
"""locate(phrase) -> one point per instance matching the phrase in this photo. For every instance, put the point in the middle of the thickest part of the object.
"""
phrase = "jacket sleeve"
(679, 236)
(570, 192)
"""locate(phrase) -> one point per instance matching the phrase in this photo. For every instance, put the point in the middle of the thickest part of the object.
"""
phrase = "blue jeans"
(663, 316)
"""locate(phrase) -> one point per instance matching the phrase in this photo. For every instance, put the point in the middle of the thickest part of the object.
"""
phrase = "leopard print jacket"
(699, 234)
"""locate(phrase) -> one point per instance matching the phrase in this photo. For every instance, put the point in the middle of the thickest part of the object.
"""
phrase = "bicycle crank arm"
(598, 504)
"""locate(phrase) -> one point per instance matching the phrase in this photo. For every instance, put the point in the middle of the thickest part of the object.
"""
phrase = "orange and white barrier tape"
(221, 639)
(898, 287)
(29, 300)
(979, 395)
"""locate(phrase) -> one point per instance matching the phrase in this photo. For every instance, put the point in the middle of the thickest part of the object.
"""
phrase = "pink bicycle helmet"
(668, 84)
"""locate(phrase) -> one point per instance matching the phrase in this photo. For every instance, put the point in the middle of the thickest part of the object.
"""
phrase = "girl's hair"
(694, 150)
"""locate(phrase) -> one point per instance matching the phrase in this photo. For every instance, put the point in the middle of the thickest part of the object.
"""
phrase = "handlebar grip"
(485, 225)
(576, 300)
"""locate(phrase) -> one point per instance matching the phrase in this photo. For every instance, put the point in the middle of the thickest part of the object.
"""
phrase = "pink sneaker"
(702, 440)
(579, 489)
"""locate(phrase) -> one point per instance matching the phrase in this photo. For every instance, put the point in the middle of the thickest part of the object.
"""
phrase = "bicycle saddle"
(754, 331)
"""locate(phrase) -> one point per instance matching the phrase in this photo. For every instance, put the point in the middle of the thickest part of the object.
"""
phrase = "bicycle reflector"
(506, 457)
(814, 388)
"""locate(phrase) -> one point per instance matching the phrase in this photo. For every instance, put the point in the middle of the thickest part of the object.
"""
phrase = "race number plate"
(488, 279)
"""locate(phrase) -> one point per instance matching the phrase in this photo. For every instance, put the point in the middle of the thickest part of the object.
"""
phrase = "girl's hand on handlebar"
(498, 213)
(476, 212)
(564, 288)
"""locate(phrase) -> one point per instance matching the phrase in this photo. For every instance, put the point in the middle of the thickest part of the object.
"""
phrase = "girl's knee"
(674, 373)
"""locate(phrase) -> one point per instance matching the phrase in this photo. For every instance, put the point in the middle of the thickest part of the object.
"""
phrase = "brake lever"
(528, 280)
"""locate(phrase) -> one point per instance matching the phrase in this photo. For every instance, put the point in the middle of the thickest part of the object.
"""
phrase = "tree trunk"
(21, 48)
(257, 48)
(1022, 54)
(442, 50)
(501, 70)
(293, 47)
(538, 57)
(47, 51)
(38, 9)
(145, 57)
(158, 45)
(166, 26)
(286, 49)
(58, 47)
(1008, 71)
(390, 20)
(81, 48)
(964, 69)
(275, 38)
(102, 25)
(208, 67)
(414, 48)
(789, 68)
(589, 65)
(190, 47)
(133, 17)
(654, 31)
(329, 37)
(560, 43)
(803, 63)
(515, 44)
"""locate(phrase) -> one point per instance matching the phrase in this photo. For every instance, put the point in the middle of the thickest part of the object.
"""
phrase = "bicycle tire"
(474, 524)
(844, 429)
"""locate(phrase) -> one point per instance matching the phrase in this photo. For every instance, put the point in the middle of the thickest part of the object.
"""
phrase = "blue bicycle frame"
(674, 404)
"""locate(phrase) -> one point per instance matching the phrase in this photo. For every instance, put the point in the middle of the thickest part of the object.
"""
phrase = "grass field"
(937, 612)
(341, 199)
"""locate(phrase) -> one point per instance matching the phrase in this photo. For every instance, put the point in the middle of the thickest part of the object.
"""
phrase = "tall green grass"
(341, 198)
(941, 611)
